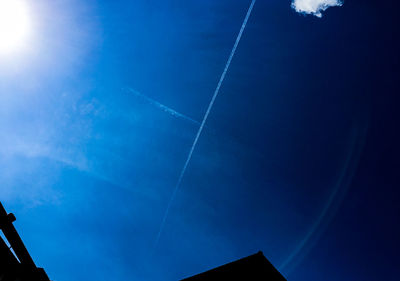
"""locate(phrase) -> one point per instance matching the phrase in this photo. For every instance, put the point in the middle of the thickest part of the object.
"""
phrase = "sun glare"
(14, 25)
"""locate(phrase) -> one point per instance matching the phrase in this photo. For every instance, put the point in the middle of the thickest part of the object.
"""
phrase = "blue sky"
(297, 158)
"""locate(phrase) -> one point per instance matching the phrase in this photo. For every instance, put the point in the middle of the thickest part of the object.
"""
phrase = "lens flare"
(14, 25)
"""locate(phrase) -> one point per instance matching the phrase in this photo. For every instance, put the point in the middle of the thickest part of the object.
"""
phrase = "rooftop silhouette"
(16, 264)
(252, 268)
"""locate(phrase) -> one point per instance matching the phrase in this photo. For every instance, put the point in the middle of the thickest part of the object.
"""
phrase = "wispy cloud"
(314, 7)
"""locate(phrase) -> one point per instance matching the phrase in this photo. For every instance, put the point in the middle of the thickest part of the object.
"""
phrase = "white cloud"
(314, 7)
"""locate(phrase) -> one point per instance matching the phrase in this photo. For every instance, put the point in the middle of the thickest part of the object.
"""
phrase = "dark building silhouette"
(252, 268)
(16, 264)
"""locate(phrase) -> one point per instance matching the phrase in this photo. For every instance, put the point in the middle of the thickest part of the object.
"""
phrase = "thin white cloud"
(314, 7)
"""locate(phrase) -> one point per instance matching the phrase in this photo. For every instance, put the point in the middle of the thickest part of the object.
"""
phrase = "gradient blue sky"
(299, 157)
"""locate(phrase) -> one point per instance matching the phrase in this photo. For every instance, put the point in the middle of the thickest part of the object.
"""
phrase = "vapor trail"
(162, 107)
(221, 79)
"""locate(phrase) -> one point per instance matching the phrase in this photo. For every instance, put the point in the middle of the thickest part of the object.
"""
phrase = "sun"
(14, 25)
